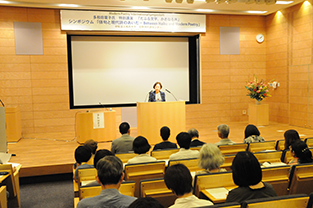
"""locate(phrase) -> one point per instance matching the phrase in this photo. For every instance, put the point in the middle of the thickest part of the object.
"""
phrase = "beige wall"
(38, 85)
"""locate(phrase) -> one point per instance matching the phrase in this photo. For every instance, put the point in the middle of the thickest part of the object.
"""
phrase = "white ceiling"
(240, 7)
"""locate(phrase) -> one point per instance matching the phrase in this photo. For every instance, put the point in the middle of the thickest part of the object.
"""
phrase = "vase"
(257, 102)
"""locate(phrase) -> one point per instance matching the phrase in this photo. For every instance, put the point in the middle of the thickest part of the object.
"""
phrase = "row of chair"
(301, 181)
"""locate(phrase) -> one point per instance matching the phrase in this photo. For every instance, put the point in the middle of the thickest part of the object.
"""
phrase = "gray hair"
(193, 133)
(110, 170)
(210, 157)
(223, 130)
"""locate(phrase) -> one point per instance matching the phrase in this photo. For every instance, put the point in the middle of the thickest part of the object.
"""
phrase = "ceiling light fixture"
(269, 2)
(67, 5)
(5, 2)
(256, 12)
(284, 2)
(179, 1)
(139, 7)
(190, 1)
(204, 10)
(168, 1)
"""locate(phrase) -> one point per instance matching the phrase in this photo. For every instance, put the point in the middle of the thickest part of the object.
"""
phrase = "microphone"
(171, 93)
(101, 105)
(2, 103)
(147, 95)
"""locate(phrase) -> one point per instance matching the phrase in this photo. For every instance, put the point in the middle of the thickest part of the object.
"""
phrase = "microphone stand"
(171, 94)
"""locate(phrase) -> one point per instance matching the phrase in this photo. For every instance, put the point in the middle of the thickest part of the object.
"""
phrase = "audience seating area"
(146, 179)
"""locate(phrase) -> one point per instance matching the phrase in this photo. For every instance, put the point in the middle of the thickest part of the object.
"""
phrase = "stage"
(47, 154)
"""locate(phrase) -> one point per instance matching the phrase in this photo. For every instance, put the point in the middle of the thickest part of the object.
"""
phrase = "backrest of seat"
(157, 189)
(287, 157)
(126, 188)
(296, 201)
(268, 156)
(3, 197)
(309, 141)
(278, 177)
(124, 157)
(137, 172)
(228, 162)
(163, 154)
(302, 179)
(226, 205)
(262, 146)
(280, 144)
(10, 182)
(196, 148)
(212, 180)
(191, 164)
(88, 174)
(232, 149)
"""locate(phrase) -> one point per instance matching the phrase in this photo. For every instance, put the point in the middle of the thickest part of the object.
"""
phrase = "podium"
(13, 122)
(152, 116)
(258, 114)
(85, 129)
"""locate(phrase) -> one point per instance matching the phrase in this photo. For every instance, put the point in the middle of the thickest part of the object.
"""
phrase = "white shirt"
(158, 97)
(141, 158)
(190, 201)
(185, 154)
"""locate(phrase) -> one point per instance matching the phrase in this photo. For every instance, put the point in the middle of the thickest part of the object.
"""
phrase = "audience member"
(252, 134)
(141, 147)
(82, 156)
(179, 180)
(300, 152)
(123, 144)
(101, 154)
(195, 142)
(165, 133)
(210, 159)
(146, 202)
(92, 144)
(290, 137)
(183, 140)
(223, 132)
(247, 174)
(110, 176)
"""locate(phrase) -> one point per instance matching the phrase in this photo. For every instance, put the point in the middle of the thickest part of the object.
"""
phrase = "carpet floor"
(54, 191)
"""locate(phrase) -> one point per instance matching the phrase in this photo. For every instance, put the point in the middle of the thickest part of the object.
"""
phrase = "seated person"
(179, 180)
(183, 139)
(82, 156)
(247, 174)
(252, 134)
(141, 147)
(99, 155)
(290, 137)
(124, 144)
(223, 132)
(165, 133)
(146, 202)
(110, 176)
(210, 159)
(195, 142)
(300, 152)
(92, 144)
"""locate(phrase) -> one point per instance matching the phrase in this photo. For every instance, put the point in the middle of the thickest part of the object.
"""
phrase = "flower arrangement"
(257, 90)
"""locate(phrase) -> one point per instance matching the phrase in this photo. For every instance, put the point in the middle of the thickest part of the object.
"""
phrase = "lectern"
(258, 114)
(85, 127)
(152, 116)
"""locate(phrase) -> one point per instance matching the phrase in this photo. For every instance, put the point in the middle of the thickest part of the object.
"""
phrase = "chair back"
(157, 189)
(86, 175)
(278, 177)
(297, 201)
(301, 179)
(3, 197)
(226, 205)
(268, 156)
(163, 154)
(126, 188)
(196, 148)
(124, 157)
(309, 141)
(228, 162)
(138, 172)
(191, 164)
(9, 182)
(286, 156)
(280, 144)
(262, 146)
(232, 148)
(212, 180)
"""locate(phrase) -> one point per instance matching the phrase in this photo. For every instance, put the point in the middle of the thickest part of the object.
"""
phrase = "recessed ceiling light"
(139, 7)
(5, 2)
(204, 10)
(68, 5)
(256, 12)
(284, 2)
